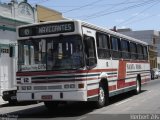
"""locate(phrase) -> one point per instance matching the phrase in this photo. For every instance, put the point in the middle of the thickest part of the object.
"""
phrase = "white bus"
(73, 60)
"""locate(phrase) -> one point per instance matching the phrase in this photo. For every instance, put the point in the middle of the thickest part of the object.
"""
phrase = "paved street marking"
(123, 102)
(81, 118)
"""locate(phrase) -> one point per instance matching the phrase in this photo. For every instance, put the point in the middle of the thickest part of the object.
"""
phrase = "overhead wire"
(100, 5)
(99, 12)
(41, 1)
(74, 9)
(119, 10)
(131, 18)
(142, 19)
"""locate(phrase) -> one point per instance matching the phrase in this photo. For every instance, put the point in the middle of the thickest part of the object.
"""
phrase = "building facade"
(149, 36)
(47, 14)
(12, 15)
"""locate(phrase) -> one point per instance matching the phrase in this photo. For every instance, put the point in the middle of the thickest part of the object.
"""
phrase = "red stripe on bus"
(113, 87)
(112, 76)
(53, 81)
(130, 83)
(101, 70)
(139, 61)
(145, 75)
(121, 74)
(69, 80)
(145, 80)
(64, 72)
(92, 92)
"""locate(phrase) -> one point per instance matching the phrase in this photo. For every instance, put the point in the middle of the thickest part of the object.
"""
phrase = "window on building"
(154, 40)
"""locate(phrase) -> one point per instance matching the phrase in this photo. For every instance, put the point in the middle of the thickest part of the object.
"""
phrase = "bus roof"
(112, 32)
(89, 25)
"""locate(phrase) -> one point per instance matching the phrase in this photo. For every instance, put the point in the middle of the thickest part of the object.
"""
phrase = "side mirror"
(11, 51)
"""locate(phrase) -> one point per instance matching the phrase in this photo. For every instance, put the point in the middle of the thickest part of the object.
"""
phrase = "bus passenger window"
(115, 42)
(140, 51)
(103, 46)
(133, 50)
(125, 49)
(145, 53)
(26, 55)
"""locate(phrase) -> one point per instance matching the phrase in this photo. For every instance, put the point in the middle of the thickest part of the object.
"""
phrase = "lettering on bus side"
(134, 66)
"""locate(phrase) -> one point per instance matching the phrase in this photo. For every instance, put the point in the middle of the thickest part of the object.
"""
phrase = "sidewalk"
(2, 101)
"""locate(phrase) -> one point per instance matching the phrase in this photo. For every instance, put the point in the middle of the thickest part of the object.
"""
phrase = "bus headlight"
(68, 86)
(23, 87)
(72, 85)
(26, 87)
(5, 93)
(29, 87)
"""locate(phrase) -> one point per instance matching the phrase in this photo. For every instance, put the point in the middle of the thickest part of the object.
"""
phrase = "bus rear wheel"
(138, 87)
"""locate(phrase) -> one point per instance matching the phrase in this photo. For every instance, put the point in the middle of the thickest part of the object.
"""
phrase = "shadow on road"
(17, 104)
(123, 96)
(65, 110)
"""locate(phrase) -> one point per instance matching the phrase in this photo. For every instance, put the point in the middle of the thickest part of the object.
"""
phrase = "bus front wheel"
(102, 98)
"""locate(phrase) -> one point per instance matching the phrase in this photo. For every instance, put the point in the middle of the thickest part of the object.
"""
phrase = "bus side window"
(103, 46)
(115, 43)
(133, 50)
(140, 51)
(145, 52)
(90, 51)
(125, 49)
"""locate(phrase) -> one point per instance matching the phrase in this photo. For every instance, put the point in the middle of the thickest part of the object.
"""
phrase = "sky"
(134, 14)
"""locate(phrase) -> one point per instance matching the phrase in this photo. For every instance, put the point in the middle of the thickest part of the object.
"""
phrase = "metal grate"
(48, 87)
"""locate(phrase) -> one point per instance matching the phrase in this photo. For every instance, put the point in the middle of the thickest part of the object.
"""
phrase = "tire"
(103, 98)
(138, 87)
(11, 102)
(51, 105)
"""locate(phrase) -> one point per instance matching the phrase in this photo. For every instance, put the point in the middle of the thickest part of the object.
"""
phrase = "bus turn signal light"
(81, 85)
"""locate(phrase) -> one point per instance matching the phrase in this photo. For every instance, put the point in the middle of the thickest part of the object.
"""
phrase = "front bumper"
(52, 96)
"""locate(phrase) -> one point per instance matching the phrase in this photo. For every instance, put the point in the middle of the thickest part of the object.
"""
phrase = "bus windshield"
(55, 53)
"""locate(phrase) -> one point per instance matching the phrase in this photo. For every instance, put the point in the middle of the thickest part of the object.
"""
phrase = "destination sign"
(45, 29)
(36, 67)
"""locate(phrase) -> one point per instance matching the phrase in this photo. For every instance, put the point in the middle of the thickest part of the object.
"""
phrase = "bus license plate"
(46, 97)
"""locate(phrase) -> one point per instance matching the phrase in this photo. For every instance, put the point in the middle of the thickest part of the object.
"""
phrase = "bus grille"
(47, 87)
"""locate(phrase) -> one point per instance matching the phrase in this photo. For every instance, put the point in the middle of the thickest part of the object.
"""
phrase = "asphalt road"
(144, 106)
